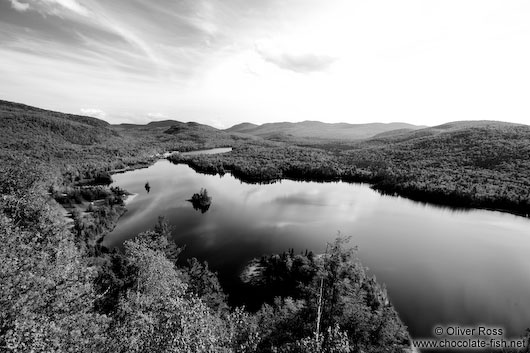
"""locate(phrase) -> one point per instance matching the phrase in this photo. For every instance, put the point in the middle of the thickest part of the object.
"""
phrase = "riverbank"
(445, 187)
(96, 218)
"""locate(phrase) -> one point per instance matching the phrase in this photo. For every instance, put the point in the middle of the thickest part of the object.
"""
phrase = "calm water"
(210, 151)
(439, 265)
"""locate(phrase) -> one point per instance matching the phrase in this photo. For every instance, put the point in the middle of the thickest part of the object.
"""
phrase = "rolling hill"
(60, 141)
(401, 135)
(468, 163)
(316, 129)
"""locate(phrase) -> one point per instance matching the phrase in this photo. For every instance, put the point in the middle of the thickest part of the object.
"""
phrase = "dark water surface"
(440, 266)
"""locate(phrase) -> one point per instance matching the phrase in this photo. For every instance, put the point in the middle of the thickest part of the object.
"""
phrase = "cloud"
(71, 5)
(94, 112)
(19, 6)
(297, 62)
(157, 115)
(52, 7)
(90, 19)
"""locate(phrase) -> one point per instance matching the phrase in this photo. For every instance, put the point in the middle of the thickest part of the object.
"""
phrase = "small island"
(201, 200)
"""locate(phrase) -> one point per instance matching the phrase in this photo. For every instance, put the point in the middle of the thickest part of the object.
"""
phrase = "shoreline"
(463, 203)
(128, 199)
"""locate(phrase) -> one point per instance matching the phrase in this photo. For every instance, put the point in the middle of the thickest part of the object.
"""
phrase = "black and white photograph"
(264, 176)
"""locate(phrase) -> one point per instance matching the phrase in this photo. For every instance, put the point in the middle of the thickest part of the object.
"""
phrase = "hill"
(463, 163)
(63, 291)
(178, 127)
(67, 144)
(478, 164)
(316, 129)
(163, 123)
(243, 127)
(153, 124)
(21, 123)
(451, 127)
(46, 135)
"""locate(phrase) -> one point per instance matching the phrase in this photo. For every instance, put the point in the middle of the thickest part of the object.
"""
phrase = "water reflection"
(439, 266)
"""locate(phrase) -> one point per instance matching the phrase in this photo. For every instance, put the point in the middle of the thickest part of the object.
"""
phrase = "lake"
(440, 266)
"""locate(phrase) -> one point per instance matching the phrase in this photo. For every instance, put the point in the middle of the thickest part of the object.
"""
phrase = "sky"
(223, 62)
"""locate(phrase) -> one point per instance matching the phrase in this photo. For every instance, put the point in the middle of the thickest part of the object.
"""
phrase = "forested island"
(201, 200)
(63, 291)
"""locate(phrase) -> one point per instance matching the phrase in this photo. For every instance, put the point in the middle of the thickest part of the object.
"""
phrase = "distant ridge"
(178, 127)
(317, 129)
(451, 127)
(151, 124)
(243, 127)
(163, 123)
(170, 126)
(14, 109)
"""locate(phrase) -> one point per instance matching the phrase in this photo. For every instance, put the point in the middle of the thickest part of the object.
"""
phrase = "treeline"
(482, 167)
(57, 298)
(325, 292)
(62, 292)
(70, 146)
(266, 162)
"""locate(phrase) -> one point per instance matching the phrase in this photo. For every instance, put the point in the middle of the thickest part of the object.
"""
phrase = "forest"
(477, 165)
(63, 292)
(59, 297)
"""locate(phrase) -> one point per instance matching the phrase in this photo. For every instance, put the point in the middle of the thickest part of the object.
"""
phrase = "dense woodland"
(63, 292)
(480, 165)
(58, 297)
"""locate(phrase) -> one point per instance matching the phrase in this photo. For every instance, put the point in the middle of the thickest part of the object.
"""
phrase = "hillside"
(464, 163)
(480, 164)
(21, 123)
(63, 291)
(242, 128)
(151, 125)
(53, 138)
(451, 127)
(316, 129)
(68, 145)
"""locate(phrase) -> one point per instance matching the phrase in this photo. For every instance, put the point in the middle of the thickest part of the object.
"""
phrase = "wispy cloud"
(88, 19)
(70, 5)
(51, 7)
(297, 62)
(94, 112)
(157, 116)
(197, 59)
(19, 6)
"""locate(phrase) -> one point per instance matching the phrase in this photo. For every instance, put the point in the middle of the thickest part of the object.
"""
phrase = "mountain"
(11, 109)
(316, 129)
(163, 123)
(23, 127)
(56, 139)
(242, 128)
(178, 127)
(455, 127)
(167, 126)
(152, 124)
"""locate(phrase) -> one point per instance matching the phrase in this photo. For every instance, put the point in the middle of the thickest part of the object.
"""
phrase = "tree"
(47, 296)
(204, 284)
(156, 315)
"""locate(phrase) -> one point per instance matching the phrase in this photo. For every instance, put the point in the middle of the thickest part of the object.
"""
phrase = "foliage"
(61, 291)
(204, 284)
(201, 200)
(46, 301)
(482, 165)
(353, 305)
